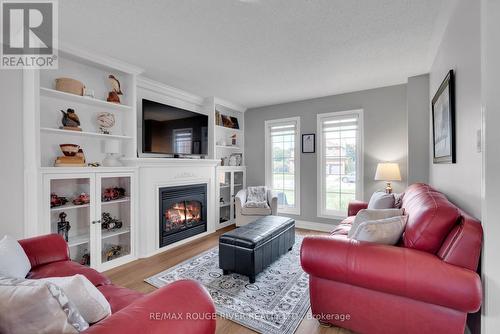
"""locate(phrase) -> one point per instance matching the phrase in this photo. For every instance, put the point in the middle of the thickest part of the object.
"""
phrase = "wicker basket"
(69, 85)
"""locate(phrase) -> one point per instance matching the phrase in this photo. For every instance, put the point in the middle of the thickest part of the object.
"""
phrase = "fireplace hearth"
(183, 212)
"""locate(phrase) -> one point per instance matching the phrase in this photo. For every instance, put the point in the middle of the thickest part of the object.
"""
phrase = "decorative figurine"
(82, 199)
(111, 194)
(73, 156)
(63, 226)
(70, 120)
(85, 258)
(56, 201)
(113, 252)
(113, 96)
(105, 121)
(110, 223)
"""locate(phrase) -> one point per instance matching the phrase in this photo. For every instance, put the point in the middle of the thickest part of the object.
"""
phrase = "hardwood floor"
(132, 276)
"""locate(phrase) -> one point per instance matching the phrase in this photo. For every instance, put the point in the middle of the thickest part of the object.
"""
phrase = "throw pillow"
(381, 200)
(13, 259)
(384, 231)
(88, 299)
(37, 307)
(256, 194)
(368, 214)
(398, 200)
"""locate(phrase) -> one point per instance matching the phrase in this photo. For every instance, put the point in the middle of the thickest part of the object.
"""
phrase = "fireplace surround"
(183, 212)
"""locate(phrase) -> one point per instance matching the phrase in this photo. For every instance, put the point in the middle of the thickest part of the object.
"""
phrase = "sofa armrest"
(45, 249)
(355, 206)
(272, 199)
(394, 270)
(240, 199)
(180, 307)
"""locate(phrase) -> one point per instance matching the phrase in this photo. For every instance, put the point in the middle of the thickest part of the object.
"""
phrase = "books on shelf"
(65, 161)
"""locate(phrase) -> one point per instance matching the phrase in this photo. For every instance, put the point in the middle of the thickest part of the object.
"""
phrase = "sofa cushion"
(68, 268)
(430, 218)
(255, 211)
(13, 259)
(119, 297)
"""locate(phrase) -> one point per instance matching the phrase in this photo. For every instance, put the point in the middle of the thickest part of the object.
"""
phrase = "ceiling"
(262, 52)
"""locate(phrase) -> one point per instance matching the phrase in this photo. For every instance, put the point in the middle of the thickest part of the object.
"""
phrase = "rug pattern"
(275, 304)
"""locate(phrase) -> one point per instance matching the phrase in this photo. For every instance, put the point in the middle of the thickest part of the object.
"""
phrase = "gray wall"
(460, 50)
(418, 128)
(11, 153)
(385, 138)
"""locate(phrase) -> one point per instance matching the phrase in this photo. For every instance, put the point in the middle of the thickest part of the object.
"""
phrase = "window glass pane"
(282, 139)
(339, 156)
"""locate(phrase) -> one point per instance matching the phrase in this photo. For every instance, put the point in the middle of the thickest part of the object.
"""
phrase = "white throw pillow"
(368, 214)
(257, 194)
(13, 260)
(384, 231)
(91, 303)
(381, 200)
(31, 306)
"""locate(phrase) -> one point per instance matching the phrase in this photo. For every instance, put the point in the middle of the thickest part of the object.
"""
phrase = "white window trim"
(321, 210)
(268, 162)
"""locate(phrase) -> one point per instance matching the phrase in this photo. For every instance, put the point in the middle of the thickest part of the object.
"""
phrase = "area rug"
(275, 304)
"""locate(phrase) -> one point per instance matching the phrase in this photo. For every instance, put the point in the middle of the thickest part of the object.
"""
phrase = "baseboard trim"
(322, 227)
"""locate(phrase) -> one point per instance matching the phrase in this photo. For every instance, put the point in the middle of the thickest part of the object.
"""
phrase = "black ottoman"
(249, 249)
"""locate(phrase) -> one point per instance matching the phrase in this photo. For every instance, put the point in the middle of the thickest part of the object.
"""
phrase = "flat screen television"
(169, 131)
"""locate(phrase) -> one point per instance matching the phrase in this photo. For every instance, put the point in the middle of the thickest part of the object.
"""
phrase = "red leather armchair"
(426, 284)
(181, 307)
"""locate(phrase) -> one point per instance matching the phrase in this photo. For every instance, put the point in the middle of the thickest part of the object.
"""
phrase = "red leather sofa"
(132, 311)
(426, 284)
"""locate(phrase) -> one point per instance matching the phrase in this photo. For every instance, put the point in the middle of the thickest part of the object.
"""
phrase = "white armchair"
(247, 215)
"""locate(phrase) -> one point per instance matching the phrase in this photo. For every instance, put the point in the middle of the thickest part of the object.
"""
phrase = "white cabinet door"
(114, 228)
(69, 210)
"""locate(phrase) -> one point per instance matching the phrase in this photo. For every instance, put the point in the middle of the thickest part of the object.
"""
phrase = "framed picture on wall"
(308, 143)
(443, 121)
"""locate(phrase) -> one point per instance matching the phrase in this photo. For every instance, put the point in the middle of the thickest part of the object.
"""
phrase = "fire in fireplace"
(183, 212)
(182, 215)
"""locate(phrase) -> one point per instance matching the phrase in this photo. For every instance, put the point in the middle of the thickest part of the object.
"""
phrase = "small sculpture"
(111, 194)
(63, 226)
(82, 199)
(85, 258)
(113, 96)
(105, 121)
(110, 223)
(113, 252)
(56, 201)
(70, 120)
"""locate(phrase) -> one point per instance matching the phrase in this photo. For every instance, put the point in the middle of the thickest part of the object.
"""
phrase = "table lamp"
(388, 171)
(112, 150)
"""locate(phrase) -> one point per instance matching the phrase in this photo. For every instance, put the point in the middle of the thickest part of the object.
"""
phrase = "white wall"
(491, 164)
(417, 101)
(460, 51)
(11, 154)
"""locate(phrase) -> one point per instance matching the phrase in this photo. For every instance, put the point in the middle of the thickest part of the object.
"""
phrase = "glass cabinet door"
(71, 213)
(225, 197)
(237, 186)
(115, 212)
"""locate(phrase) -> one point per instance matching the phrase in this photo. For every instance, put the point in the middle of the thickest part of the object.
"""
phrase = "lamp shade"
(112, 146)
(387, 171)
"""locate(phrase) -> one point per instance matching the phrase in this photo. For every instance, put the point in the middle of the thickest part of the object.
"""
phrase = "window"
(283, 162)
(340, 166)
(182, 140)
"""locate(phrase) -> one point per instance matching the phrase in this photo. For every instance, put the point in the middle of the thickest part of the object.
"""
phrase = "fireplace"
(183, 212)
